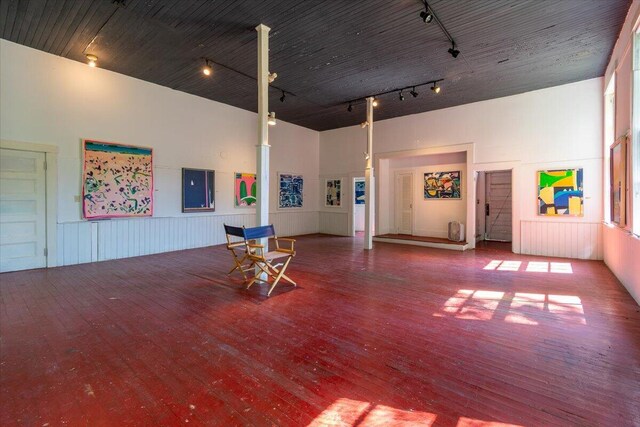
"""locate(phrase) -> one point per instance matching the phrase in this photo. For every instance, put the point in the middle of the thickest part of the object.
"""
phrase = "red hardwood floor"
(400, 334)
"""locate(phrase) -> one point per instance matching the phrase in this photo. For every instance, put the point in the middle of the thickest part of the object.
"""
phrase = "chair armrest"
(254, 246)
(278, 248)
(287, 239)
(235, 245)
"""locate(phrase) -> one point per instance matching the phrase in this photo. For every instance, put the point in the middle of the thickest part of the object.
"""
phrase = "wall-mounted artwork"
(618, 173)
(198, 188)
(560, 192)
(359, 198)
(245, 189)
(333, 193)
(117, 180)
(290, 190)
(442, 185)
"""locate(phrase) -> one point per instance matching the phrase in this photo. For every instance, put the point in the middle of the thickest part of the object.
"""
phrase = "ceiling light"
(92, 60)
(272, 77)
(413, 92)
(435, 88)
(350, 107)
(271, 119)
(375, 102)
(401, 96)
(453, 51)
(207, 70)
(426, 15)
(364, 124)
(282, 97)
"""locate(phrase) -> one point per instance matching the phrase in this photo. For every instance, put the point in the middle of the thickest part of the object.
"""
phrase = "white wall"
(621, 247)
(545, 129)
(51, 100)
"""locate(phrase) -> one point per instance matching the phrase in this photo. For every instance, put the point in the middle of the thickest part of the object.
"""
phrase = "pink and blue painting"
(245, 189)
(117, 180)
(290, 193)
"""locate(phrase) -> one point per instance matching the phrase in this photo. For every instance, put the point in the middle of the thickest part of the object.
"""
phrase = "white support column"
(262, 149)
(369, 186)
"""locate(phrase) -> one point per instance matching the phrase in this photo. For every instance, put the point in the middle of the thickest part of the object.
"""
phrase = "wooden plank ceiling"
(327, 52)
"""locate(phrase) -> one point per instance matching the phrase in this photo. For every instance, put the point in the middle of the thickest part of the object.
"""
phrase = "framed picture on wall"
(560, 192)
(618, 177)
(245, 190)
(117, 180)
(442, 185)
(333, 193)
(359, 198)
(198, 189)
(290, 190)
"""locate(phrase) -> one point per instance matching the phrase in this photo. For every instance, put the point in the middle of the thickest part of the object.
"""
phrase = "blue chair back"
(234, 231)
(259, 232)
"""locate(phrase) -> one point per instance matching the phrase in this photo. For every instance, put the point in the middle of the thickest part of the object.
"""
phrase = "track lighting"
(453, 51)
(92, 60)
(435, 88)
(271, 119)
(375, 102)
(272, 77)
(401, 96)
(364, 124)
(282, 97)
(207, 70)
(426, 15)
(350, 107)
(413, 92)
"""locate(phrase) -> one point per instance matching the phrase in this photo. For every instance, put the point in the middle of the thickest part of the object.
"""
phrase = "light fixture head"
(282, 97)
(350, 107)
(426, 16)
(272, 77)
(92, 60)
(271, 119)
(401, 96)
(413, 92)
(375, 102)
(364, 124)
(366, 155)
(453, 51)
(207, 70)
(435, 88)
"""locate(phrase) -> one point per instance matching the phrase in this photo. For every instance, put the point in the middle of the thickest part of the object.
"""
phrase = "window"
(635, 137)
(609, 138)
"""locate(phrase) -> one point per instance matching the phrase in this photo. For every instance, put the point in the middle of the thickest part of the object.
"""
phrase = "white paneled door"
(498, 206)
(22, 210)
(404, 203)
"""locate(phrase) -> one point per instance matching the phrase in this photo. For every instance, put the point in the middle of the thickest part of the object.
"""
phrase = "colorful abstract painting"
(117, 180)
(290, 193)
(359, 198)
(198, 190)
(442, 185)
(245, 189)
(560, 192)
(333, 192)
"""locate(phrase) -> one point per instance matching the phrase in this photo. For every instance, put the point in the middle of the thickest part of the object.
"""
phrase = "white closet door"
(498, 222)
(404, 212)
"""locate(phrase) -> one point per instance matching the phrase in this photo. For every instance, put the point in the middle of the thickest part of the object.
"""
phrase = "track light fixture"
(435, 88)
(92, 60)
(452, 50)
(401, 96)
(350, 107)
(364, 124)
(282, 97)
(375, 102)
(207, 70)
(426, 15)
(272, 77)
(271, 119)
(413, 92)
(399, 91)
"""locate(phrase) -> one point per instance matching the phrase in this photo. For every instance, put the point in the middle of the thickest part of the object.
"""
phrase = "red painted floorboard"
(400, 335)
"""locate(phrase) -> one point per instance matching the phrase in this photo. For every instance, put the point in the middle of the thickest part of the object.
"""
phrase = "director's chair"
(238, 249)
(273, 263)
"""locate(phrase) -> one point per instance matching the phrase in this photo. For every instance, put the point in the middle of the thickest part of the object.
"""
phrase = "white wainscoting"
(567, 239)
(88, 241)
(336, 223)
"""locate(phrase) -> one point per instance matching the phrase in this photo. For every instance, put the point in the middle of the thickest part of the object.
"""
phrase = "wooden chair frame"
(238, 249)
(272, 263)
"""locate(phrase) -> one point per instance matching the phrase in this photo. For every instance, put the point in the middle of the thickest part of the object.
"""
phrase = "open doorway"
(494, 214)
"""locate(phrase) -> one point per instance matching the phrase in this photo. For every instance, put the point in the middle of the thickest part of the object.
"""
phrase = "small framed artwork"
(359, 198)
(333, 193)
(618, 177)
(560, 192)
(245, 190)
(290, 190)
(198, 187)
(442, 185)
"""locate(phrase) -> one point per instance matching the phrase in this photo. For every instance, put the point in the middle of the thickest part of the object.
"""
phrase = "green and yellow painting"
(560, 192)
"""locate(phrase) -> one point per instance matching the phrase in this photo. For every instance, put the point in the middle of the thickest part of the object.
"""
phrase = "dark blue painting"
(359, 193)
(290, 194)
(198, 190)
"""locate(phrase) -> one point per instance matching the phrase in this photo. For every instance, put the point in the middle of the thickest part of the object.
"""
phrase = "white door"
(498, 205)
(404, 203)
(22, 210)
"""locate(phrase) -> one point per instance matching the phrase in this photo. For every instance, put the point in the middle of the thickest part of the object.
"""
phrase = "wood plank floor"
(400, 335)
(419, 238)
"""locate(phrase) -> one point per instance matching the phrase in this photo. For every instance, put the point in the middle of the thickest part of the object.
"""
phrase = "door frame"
(51, 192)
(397, 198)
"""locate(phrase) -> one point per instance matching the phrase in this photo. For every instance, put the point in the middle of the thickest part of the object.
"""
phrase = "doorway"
(404, 203)
(494, 206)
(358, 202)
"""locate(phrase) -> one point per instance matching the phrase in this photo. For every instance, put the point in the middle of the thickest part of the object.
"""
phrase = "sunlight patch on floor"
(532, 266)
(349, 412)
(470, 422)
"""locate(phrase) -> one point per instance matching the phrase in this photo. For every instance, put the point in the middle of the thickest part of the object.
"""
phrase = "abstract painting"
(333, 190)
(198, 188)
(359, 192)
(245, 189)
(442, 185)
(117, 180)
(290, 193)
(560, 192)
